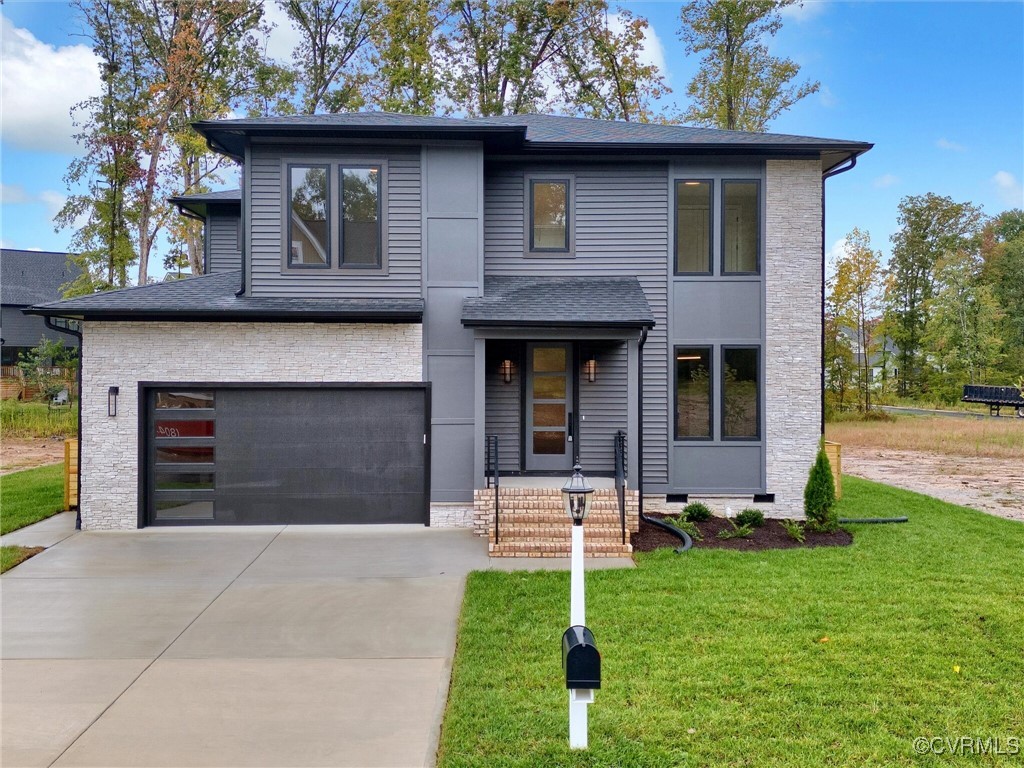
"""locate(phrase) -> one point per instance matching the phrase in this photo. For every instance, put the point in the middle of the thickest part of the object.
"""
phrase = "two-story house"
(391, 298)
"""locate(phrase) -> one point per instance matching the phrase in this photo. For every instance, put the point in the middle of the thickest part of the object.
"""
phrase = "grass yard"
(12, 556)
(994, 438)
(30, 496)
(33, 419)
(826, 657)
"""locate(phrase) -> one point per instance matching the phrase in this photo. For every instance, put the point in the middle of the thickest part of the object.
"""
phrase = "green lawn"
(12, 556)
(719, 658)
(30, 496)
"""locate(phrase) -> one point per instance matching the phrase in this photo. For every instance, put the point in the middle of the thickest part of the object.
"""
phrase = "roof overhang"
(254, 315)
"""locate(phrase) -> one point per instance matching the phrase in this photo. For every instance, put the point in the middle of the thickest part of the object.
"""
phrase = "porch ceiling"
(564, 302)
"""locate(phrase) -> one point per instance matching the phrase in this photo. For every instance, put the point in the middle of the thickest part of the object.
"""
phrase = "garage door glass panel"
(183, 481)
(182, 399)
(184, 509)
(185, 454)
(183, 429)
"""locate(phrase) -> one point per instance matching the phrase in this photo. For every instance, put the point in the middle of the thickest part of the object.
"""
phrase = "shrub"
(794, 529)
(820, 496)
(752, 517)
(697, 512)
(685, 525)
(736, 532)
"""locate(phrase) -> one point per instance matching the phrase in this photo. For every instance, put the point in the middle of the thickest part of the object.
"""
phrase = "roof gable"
(32, 277)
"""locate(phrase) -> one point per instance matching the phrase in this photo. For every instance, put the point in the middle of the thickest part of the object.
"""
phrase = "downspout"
(827, 175)
(683, 536)
(81, 357)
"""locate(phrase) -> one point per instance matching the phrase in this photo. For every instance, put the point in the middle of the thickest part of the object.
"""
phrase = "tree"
(856, 294)
(403, 57)
(1003, 252)
(931, 227)
(739, 85)
(839, 357)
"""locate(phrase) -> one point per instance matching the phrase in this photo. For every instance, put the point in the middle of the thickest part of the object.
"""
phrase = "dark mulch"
(769, 536)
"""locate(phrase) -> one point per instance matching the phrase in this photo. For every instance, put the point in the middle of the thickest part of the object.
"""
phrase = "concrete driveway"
(270, 646)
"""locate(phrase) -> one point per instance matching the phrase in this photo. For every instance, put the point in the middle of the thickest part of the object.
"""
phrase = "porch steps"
(533, 523)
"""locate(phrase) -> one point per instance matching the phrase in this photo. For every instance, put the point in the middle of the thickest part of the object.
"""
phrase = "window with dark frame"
(309, 225)
(741, 395)
(549, 215)
(741, 232)
(693, 393)
(693, 227)
(360, 220)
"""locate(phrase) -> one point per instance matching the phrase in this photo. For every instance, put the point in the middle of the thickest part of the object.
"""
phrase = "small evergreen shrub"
(736, 532)
(697, 512)
(750, 516)
(685, 525)
(820, 496)
(794, 529)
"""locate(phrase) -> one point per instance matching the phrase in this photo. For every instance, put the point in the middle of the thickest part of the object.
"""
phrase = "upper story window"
(693, 227)
(741, 234)
(737, 243)
(549, 213)
(335, 213)
(309, 225)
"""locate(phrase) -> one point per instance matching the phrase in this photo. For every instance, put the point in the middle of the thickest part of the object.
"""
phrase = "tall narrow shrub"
(820, 496)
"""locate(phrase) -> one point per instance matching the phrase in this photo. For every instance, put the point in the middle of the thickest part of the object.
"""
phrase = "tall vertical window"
(740, 230)
(360, 227)
(693, 393)
(549, 215)
(741, 417)
(693, 227)
(309, 226)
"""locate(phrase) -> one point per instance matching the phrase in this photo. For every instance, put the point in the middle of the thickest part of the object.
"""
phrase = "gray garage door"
(221, 455)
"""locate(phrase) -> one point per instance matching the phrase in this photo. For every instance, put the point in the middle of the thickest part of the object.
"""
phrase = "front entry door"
(549, 406)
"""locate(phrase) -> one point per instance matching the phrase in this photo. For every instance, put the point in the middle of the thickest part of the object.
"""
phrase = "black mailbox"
(580, 659)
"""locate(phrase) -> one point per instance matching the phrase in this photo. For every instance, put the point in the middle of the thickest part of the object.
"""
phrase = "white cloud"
(826, 97)
(652, 52)
(1008, 188)
(39, 83)
(53, 201)
(952, 146)
(886, 180)
(805, 11)
(12, 194)
(284, 36)
(833, 254)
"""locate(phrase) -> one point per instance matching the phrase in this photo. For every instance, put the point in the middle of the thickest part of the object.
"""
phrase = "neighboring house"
(883, 361)
(28, 278)
(221, 214)
(407, 287)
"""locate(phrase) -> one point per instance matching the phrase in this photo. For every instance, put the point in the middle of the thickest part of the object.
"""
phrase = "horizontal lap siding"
(225, 253)
(403, 230)
(503, 403)
(621, 228)
(603, 406)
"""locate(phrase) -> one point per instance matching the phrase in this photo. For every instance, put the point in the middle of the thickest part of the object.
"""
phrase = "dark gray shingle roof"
(31, 277)
(212, 297)
(559, 301)
(223, 196)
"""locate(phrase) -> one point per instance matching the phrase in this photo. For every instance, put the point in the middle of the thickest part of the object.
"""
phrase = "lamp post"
(577, 496)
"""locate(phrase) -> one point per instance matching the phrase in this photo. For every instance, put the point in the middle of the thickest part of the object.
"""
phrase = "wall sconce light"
(590, 368)
(112, 401)
(506, 370)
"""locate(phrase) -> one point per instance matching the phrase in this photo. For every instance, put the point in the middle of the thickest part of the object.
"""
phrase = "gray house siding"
(452, 226)
(223, 232)
(504, 402)
(602, 405)
(403, 221)
(621, 228)
(20, 330)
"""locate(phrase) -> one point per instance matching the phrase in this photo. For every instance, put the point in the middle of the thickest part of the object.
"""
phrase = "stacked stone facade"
(124, 353)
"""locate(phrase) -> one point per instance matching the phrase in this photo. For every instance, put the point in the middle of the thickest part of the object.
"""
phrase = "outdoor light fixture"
(112, 401)
(506, 370)
(590, 368)
(577, 495)
(687, 357)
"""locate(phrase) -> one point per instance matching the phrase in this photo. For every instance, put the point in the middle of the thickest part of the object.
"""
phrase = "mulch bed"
(769, 536)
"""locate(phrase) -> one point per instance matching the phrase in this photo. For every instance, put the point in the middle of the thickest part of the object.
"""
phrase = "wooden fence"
(14, 386)
(71, 473)
(834, 451)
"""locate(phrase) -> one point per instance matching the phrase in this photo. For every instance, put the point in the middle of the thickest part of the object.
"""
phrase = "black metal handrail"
(493, 476)
(620, 478)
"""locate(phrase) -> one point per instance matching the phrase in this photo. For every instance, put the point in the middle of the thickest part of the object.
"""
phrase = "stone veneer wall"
(793, 328)
(123, 354)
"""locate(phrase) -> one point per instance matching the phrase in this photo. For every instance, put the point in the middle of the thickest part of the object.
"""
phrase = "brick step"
(535, 533)
(557, 549)
(519, 503)
(555, 519)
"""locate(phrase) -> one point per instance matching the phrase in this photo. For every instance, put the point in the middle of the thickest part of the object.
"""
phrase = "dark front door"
(274, 455)
(549, 406)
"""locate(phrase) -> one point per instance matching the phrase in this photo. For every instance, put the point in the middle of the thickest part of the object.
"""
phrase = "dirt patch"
(17, 453)
(993, 485)
(769, 536)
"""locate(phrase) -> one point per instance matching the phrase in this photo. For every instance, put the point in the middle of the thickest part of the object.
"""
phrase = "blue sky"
(937, 86)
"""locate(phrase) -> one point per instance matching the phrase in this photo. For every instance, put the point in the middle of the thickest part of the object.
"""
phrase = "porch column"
(479, 409)
(632, 409)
